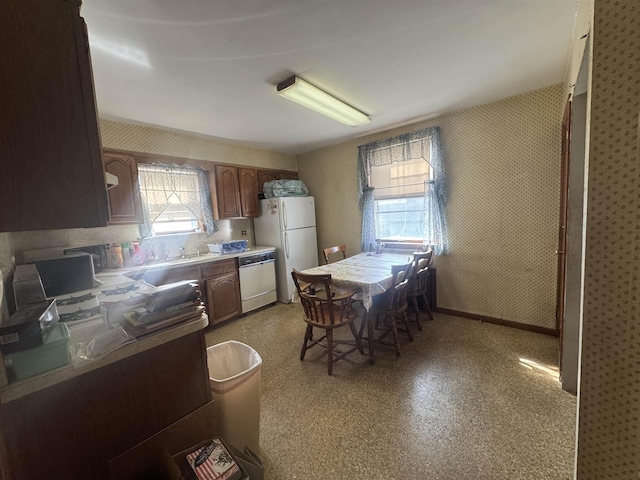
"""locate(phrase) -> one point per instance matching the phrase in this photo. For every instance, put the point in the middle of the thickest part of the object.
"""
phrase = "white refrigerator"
(289, 224)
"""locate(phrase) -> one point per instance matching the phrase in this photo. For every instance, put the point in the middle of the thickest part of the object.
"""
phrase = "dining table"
(369, 274)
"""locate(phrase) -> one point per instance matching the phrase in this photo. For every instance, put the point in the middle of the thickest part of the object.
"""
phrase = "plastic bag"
(285, 188)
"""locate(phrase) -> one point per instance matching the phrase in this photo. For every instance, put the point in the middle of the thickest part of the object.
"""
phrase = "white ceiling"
(210, 67)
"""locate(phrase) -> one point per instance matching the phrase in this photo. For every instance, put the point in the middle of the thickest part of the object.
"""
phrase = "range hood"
(111, 180)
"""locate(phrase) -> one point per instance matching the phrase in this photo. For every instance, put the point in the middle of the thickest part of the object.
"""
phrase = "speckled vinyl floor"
(466, 400)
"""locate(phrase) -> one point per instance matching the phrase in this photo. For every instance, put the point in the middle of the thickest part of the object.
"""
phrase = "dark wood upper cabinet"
(227, 191)
(265, 176)
(248, 178)
(52, 174)
(271, 175)
(236, 192)
(124, 199)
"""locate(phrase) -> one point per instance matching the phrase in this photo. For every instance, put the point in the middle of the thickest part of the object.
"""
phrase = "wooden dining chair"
(418, 289)
(419, 285)
(392, 305)
(326, 309)
(331, 250)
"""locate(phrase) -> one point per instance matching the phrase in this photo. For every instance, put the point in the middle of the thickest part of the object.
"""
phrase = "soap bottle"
(137, 258)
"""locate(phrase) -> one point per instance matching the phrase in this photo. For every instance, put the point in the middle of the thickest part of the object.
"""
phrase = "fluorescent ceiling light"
(299, 91)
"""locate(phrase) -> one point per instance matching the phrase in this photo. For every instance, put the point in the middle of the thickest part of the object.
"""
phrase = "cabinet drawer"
(170, 275)
(214, 269)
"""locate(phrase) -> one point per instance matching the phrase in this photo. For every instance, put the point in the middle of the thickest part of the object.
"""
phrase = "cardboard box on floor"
(149, 457)
(159, 456)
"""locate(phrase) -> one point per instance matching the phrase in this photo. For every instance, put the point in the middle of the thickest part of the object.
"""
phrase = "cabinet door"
(266, 176)
(223, 297)
(227, 191)
(248, 178)
(124, 199)
(52, 174)
(288, 175)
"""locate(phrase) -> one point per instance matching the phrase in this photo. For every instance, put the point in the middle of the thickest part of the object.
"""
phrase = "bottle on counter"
(114, 256)
(137, 258)
(126, 255)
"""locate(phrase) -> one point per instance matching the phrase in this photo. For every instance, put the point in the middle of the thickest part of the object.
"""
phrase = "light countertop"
(24, 387)
(110, 278)
(178, 262)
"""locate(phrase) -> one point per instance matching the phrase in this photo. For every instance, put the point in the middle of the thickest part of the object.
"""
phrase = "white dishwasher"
(257, 280)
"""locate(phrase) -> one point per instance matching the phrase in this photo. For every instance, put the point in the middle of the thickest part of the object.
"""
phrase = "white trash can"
(234, 375)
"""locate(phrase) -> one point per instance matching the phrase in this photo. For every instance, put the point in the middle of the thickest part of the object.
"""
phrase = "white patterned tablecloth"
(370, 274)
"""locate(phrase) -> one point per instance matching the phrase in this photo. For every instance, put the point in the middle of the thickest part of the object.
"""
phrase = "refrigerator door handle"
(286, 244)
(284, 215)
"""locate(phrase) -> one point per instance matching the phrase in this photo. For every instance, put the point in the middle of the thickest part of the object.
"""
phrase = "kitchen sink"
(186, 258)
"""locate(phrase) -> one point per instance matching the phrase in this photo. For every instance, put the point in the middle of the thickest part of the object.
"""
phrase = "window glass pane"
(400, 218)
(160, 228)
(400, 178)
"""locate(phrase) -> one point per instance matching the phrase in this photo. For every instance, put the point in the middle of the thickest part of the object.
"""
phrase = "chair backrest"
(400, 272)
(420, 281)
(338, 248)
(397, 294)
(417, 256)
(316, 296)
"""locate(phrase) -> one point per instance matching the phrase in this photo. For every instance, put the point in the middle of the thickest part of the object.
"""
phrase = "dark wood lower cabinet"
(223, 297)
(72, 430)
(219, 285)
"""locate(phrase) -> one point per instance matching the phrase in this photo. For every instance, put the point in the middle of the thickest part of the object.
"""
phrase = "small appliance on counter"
(29, 327)
(54, 353)
(27, 286)
(98, 253)
(66, 273)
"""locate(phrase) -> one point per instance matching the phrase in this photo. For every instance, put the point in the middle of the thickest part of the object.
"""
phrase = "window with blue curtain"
(401, 190)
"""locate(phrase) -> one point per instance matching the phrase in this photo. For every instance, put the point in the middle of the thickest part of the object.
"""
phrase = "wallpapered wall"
(502, 166)
(144, 139)
(138, 138)
(609, 405)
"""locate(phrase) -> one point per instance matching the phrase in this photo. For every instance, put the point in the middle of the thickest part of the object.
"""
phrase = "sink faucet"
(181, 251)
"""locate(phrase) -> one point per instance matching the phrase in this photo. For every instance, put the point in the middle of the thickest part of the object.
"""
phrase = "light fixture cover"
(299, 91)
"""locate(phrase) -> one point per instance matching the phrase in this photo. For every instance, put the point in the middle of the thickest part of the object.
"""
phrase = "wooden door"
(227, 191)
(248, 178)
(124, 199)
(562, 230)
(223, 297)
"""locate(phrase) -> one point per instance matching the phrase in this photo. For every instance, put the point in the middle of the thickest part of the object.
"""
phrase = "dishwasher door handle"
(271, 260)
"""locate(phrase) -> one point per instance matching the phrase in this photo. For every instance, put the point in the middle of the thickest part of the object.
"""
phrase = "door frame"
(562, 225)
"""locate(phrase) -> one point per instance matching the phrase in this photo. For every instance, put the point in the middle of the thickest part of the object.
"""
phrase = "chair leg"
(308, 334)
(414, 303)
(356, 336)
(427, 306)
(330, 349)
(394, 331)
(406, 325)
